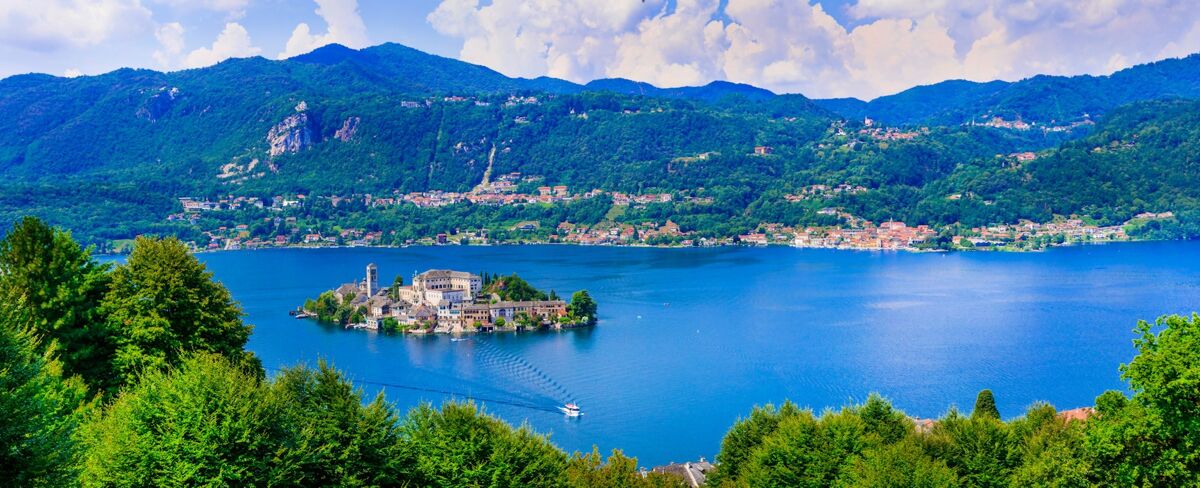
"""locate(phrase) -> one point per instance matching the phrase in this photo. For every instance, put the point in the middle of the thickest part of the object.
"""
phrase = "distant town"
(448, 301)
(851, 232)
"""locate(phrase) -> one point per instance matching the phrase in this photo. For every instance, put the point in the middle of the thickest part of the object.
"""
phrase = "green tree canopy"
(38, 412)
(394, 291)
(514, 288)
(333, 439)
(213, 422)
(163, 303)
(460, 446)
(208, 422)
(745, 436)
(58, 286)
(1154, 438)
(618, 470)
(985, 405)
(903, 464)
(583, 307)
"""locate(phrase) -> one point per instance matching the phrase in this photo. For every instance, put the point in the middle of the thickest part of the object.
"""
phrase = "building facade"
(444, 301)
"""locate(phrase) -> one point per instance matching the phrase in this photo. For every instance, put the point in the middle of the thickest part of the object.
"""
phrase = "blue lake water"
(691, 339)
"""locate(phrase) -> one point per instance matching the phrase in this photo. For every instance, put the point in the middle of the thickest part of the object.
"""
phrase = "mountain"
(711, 92)
(404, 68)
(1045, 100)
(220, 120)
(108, 156)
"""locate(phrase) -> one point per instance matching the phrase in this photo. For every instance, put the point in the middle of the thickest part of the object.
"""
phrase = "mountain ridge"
(1039, 99)
(391, 120)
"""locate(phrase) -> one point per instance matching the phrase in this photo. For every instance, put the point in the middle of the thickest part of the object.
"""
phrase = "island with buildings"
(448, 301)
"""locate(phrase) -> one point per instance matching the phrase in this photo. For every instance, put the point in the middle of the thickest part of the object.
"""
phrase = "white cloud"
(170, 41)
(72, 72)
(574, 39)
(50, 25)
(1187, 44)
(217, 5)
(796, 46)
(345, 26)
(233, 42)
(234, 9)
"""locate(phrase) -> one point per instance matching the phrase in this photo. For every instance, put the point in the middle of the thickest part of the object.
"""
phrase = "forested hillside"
(108, 156)
(1140, 158)
(1044, 100)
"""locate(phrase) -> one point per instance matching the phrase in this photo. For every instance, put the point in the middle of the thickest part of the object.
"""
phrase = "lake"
(691, 339)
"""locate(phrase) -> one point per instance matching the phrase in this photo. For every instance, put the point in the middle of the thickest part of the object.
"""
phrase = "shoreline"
(653, 246)
(452, 334)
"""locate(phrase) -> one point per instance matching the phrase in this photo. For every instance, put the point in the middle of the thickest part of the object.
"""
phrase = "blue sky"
(862, 48)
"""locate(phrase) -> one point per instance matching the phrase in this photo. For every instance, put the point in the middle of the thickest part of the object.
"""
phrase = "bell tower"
(372, 284)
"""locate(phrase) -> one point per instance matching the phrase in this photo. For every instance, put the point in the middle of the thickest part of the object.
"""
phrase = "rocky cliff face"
(292, 135)
(349, 128)
(158, 105)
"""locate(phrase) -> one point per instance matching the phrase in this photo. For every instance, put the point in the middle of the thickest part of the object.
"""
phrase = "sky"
(821, 48)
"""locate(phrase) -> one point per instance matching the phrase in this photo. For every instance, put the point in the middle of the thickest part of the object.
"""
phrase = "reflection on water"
(690, 339)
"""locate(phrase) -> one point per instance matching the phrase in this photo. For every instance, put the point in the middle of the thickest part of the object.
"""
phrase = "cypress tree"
(985, 405)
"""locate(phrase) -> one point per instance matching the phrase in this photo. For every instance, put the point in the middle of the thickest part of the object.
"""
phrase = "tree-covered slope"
(391, 119)
(1140, 158)
(1046, 100)
(381, 118)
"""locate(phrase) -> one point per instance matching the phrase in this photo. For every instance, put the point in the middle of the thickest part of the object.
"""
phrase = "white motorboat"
(571, 410)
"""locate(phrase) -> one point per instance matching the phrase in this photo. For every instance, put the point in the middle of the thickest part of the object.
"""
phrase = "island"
(449, 302)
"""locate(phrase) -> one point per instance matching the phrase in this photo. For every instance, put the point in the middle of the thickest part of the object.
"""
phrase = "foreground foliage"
(39, 411)
(1148, 440)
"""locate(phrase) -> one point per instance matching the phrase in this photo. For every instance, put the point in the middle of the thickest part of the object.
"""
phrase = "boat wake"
(521, 372)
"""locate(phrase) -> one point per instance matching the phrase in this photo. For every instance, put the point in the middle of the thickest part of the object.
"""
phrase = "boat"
(571, 410)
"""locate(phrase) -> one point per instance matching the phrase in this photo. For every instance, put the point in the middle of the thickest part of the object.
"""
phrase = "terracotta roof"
(1080, 414)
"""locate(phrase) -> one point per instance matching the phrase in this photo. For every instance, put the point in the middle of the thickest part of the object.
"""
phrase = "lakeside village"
(852, 233)
(447, 301)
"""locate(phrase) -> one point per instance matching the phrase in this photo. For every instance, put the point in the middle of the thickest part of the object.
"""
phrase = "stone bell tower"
(372, 283)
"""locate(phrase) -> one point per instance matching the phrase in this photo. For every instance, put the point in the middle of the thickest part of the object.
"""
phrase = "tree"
(985, 405)
(164, 303)
(618, 471)
(901, 464)
(977, 448)
(884, 421)
(390, 324)
(461, 446)
(394, 291)
(583, 307)
(38, 411)
(1051, 450)
(208, 422)
(59, 287)
(214, 422)
(806, 451)
(745, 436)
(515, 288)
(333, 439)
(1153, 438)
